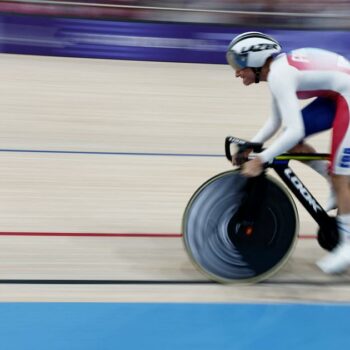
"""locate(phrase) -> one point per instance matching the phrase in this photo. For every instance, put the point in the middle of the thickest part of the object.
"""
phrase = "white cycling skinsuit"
(303, 74)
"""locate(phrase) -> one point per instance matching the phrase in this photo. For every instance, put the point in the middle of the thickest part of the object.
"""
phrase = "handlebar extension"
(242, 145)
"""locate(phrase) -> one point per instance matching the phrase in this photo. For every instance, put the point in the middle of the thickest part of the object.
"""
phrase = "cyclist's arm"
(283, 86)
(270, 127)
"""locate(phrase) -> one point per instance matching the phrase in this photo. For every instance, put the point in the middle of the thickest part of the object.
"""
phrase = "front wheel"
(227, 256)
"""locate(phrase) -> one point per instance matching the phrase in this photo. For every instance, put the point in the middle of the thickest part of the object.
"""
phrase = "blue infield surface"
(85, 326)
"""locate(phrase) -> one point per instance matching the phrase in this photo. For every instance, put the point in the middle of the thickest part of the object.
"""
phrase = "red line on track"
(307, 236)
(129, 235)
(70, 234)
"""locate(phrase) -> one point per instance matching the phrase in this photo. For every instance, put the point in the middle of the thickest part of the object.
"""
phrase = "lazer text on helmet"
(303, 191)
(259, 47)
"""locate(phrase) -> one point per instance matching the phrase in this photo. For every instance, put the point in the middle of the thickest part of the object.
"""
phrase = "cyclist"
(300, 74)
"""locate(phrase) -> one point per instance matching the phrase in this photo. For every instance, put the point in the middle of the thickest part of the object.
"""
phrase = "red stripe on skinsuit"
(305, 94)
(340, 127)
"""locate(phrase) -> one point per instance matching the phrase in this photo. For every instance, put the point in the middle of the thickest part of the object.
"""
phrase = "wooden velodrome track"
(146, 114)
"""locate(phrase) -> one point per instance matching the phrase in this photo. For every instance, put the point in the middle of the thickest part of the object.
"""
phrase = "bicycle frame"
(280, 164)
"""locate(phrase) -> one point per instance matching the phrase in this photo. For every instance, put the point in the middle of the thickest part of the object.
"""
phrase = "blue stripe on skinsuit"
(318, 115)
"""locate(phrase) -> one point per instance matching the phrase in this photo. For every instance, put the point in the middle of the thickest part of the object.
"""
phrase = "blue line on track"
(152, 154)
(159, 326)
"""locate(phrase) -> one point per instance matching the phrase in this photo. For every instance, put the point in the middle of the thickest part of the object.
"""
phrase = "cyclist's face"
(247, 75)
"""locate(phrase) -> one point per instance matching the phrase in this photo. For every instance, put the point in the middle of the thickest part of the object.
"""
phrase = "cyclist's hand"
(253, 167)
(241, 157)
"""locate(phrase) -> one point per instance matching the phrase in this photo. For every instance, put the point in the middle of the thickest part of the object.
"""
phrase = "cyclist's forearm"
(285, 142)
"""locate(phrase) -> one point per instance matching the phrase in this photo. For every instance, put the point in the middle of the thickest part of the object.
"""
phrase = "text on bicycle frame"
(303, 191)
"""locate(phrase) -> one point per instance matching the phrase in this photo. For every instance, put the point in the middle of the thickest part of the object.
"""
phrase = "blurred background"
(181, 31)
(282, 13)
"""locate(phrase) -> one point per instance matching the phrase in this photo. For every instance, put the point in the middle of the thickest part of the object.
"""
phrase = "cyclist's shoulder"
(281, 72)
(280, 64)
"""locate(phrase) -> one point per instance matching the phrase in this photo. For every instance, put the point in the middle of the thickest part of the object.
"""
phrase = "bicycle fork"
(243, 222)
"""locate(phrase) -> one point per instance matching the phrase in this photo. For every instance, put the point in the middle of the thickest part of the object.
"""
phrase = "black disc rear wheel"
(224, 253)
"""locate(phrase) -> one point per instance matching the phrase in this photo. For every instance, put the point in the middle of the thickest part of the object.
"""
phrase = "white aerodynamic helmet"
(251, 49)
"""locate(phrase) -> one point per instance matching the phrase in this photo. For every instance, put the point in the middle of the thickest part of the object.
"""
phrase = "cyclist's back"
(311, 72)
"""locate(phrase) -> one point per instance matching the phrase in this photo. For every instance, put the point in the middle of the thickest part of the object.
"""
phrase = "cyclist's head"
(251, 50)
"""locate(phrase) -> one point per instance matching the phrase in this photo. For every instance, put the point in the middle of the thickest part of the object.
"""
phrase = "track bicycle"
(239, 229)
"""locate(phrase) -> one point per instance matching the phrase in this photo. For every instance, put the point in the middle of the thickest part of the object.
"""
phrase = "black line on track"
(171, 282)
(103, 282)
